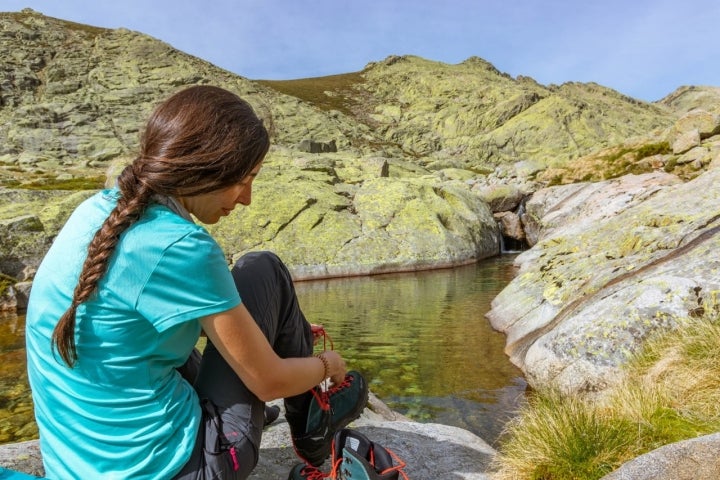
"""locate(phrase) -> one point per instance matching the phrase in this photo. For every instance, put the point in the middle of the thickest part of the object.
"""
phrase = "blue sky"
(642, 48)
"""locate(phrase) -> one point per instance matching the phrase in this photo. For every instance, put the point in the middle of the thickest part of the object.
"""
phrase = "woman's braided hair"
(201, 139)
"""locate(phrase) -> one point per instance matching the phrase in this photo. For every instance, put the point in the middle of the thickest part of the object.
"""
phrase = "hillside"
(73, 98)
(476, 115)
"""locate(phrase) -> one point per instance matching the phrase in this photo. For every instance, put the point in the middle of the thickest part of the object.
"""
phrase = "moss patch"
(6, 282)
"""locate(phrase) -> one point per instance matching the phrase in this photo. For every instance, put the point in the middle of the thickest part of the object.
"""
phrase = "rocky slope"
(612, 263)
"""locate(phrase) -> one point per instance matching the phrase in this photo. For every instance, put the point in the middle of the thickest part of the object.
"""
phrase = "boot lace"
(400, 465)
(323, 393)
(319, 332)
(312, 473)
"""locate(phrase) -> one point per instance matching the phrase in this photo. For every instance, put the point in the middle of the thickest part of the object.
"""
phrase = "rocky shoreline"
(427, 449)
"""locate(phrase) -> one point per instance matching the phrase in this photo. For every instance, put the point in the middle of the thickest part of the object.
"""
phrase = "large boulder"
(575, 207)
(693, 459)
(606, 275)
(338, 216)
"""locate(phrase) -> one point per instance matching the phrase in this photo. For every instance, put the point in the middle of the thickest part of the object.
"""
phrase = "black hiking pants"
(228, 441)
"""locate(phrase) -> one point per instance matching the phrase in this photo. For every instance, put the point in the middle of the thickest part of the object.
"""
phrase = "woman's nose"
(245, 196)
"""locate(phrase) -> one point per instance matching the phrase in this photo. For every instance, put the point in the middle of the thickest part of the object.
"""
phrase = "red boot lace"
(397, 468)
(318, 331)
(322, 394)
(312, 473)
(335, 471)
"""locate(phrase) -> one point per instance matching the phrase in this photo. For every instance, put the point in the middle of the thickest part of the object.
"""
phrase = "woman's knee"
(262, 275)
(262, 261)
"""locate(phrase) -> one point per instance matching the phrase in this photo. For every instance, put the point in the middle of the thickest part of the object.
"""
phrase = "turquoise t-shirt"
(123, 411)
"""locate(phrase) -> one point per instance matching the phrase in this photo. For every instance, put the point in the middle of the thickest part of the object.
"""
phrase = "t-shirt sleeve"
(191, 280)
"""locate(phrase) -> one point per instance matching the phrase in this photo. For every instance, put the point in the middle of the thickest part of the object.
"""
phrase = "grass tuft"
(671, 393)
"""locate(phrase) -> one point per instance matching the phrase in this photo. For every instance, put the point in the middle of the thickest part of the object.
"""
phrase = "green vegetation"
(79, 183)
(671, 393)
(610, 163)
(626, 160)
(650, 149)
(6, 281)
(670, 165)
(333, 92)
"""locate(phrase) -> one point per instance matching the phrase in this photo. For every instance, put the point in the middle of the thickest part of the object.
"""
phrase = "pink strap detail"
(233, 454)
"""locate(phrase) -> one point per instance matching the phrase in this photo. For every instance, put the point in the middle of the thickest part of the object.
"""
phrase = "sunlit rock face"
(613, 263)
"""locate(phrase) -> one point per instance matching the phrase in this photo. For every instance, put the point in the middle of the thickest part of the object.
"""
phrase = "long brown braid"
(200, 140)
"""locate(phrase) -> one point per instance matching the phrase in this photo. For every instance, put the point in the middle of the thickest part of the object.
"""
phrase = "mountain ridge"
(73, 97)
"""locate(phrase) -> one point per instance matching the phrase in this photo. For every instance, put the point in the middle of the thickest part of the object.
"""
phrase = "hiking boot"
(355, 457)
(302, 471)
(328, 412)
(272, 412)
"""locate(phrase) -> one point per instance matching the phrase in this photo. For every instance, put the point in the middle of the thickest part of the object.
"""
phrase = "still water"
(421, 339)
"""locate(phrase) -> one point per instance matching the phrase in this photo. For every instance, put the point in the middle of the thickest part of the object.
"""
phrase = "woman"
(121, 297)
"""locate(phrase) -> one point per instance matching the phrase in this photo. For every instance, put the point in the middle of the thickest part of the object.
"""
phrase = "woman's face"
(208, 208)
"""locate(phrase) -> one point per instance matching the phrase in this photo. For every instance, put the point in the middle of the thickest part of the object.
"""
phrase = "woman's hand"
(245, 348)
(318, 332)
(336, 366)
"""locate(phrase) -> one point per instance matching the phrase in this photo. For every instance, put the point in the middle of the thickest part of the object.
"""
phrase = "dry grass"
(333, 92)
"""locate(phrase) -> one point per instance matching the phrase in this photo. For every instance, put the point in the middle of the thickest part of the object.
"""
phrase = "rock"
(311, 146)
(694, 459)
(500, 198)
(24, 242)
(22, 457)
(322, 229)
(695, 154)
(430, 451)
(510, 225)
(577, 206)
(342, 217)
(22, 294)
(687, 98)
(686, 141)
(706, 123)
(693, 127)
(606, 274)
(527, 168)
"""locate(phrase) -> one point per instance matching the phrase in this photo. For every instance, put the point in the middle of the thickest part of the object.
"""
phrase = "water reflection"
(16, 416)
(421, 339)
(424, 343)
